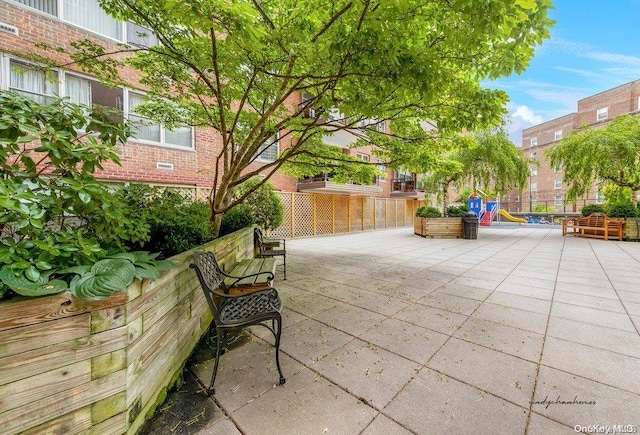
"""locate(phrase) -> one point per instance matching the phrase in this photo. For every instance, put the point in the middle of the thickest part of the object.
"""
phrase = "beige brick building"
(546, 183)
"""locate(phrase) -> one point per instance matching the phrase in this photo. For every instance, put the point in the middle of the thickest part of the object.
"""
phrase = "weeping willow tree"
(487, 160)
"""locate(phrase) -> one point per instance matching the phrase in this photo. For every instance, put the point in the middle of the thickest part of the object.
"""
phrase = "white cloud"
(527, 115)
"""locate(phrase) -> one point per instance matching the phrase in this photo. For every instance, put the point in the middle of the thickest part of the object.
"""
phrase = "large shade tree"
(233, 65)
(486, 160)
(605, 156)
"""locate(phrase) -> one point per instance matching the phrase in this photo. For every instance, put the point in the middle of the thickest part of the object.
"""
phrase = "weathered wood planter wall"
(70, 366)
(438, 228)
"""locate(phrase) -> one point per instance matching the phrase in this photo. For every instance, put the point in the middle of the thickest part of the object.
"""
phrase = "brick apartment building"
(182, 158)
(546, 183)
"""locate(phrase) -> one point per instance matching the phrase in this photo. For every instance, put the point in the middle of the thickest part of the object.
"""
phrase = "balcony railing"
(404, 185)
(322, 183)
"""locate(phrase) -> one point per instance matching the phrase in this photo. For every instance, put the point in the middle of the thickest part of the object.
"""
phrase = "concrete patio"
(520, 331)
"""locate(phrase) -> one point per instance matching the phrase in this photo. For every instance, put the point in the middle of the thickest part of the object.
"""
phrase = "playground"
(488, 211)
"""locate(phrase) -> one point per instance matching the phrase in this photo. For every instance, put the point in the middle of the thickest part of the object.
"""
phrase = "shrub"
(176, 223)
(62, 227)
(622, 210)
(428, 212)
(264, 204)
(543, 208)
(592, 208)
(457, 211)
(240, 216)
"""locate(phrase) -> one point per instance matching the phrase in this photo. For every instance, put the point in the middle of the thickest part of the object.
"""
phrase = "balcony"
(322, 184)
(405, 188)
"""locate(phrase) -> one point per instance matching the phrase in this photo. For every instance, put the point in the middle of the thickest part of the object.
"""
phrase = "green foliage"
(56, 214)
(231, 65)
(457, 211)
(592, 208)
(609, 155)
(614, 194)
(544, 208)
(176, 223)
(240, 216)
(622, 210)
(488, 159)
(265, 204)
(428, 212)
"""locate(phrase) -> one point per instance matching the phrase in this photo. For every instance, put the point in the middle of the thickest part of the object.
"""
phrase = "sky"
(594, 46)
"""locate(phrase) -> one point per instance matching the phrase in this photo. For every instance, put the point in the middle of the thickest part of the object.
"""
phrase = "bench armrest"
(270, 277)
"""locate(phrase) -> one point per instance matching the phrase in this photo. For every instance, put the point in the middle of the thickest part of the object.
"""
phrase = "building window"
(557, 135)
(89, 15)
(602, 113)
(46, 6)
(507, 197)
(534, 171)
(144, 129)
(534, 186)
(364, 157)
(557, 184)
(533, 141)
(557, 200)
(600, 198)
(558, 167)
(270, 149)
(82, 90)
(140, 36)
(32, 82)
(534, 200)
(534, 155)
(517, 198)
(381, 167)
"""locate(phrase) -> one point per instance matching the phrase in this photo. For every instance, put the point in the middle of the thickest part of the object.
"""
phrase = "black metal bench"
(234, 312)
(270, 247)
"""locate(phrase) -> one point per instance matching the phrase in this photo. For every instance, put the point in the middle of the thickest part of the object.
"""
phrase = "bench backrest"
(594, 220)
(210, 276)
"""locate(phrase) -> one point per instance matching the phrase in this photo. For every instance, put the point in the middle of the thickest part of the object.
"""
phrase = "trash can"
(470, 226)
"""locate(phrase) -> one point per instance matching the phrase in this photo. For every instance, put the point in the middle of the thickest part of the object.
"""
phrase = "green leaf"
(145, 271)
(32, 274)
(26, 287)
(80, 270)
(105, 278)
(84, 197)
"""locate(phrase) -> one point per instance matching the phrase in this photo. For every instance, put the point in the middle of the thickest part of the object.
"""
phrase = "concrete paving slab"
(561, 315)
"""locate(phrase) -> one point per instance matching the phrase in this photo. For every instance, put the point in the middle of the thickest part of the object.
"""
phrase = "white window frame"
(557, 200)
(602, 113)
(600, 198)
(533, 141)
(60, 14)
(272, 141)
(558, 168)
(381, 167)
(534, 186)
(517, 198)
(534, 171)
(557, 135)
(534, 155)
(5, 76)
(363, 156)
(534, 200)
(557, 183)
(163, 129)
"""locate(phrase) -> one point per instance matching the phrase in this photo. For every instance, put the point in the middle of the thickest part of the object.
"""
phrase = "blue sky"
(594, 46)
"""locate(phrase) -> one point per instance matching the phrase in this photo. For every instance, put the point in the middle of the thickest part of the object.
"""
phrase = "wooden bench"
(249, 275)
(596, 225)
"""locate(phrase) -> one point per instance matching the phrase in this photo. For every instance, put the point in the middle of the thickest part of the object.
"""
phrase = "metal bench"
(234, 312)
(270, 247)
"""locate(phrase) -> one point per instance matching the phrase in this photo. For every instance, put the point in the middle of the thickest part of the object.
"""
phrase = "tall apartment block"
(546, 184)
(181, 158)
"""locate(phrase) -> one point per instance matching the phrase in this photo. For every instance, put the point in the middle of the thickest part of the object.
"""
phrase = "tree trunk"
(445, 200)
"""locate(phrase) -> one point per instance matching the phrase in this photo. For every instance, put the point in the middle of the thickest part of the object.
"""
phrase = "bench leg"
(221, 338)
(277, 333)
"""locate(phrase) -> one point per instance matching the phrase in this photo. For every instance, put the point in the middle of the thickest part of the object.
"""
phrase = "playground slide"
(507, 216)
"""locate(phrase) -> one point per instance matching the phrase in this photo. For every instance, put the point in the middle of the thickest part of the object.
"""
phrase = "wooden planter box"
(75, 366)
(631, 229)
(438, 228)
